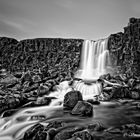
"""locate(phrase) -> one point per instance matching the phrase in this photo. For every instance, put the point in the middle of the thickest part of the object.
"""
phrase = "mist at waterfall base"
(95, 61)
(93, 64)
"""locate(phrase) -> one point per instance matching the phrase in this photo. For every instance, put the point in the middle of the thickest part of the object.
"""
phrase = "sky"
(85, 19)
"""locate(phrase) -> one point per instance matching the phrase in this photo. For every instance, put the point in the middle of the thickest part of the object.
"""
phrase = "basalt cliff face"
(56, 56)
(125, 48)
(51, 55)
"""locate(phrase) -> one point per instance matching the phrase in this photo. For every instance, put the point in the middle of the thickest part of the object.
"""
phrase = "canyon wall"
(125, 48)
(56, 56)
(51, 55)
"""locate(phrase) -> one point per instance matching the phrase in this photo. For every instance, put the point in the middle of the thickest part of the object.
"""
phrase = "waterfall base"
(88, 88)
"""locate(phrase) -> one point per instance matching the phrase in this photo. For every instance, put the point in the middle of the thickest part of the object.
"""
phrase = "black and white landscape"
(61, 88)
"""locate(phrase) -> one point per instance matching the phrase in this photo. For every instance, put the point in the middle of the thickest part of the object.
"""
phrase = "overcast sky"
(86, 19)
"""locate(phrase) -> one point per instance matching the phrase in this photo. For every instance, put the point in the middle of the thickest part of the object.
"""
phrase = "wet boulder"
(96, 127)
(43, 100)
(83, 108)
(83, 135)
(36, 78)
(134, 95)
(26, 77)
(35, 133)
(43, 90)
(93, 102)
(55, 124)
(120, 92)
(71, 98)
(67, 133)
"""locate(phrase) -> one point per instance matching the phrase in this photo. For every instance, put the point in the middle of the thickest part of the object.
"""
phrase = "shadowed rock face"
(51, 56)
(125, 48)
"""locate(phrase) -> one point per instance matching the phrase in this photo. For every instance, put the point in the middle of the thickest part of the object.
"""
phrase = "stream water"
(107, 113)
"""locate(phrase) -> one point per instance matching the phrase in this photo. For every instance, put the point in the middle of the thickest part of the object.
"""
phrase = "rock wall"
(125, 48)
(62, 56)
(47, 54)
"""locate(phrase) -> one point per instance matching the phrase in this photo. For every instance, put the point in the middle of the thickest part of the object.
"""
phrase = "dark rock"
(131, 128)
(83, 135)
(105, 76)
(17, 74)
(67, 133)
(43, 101)
(8, 113)
(36, 78)
(34, 131)
(107, 89)
(8, 80)
(124, 49)
(114, 130)
(51, 133)
(96, 127)
(55, 124)
(40, 135)
(71, 98)
(93, 102)
(26, 77)
(134, 95)
(120, 92)
(137, 87)
(131, 82)
(43, 90)
(28, 88)
(83, 108)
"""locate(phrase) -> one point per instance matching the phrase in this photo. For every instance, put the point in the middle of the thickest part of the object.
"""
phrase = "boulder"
(67, 133)
(43, 90)
(96, 127)
(134, 95)
(43, 100)
(36, 78)
(83, 108)
(71, 98)
(83, 135)
(93, 102)
(34, 132)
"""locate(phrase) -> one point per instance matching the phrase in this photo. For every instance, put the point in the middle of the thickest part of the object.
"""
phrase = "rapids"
(107, 113)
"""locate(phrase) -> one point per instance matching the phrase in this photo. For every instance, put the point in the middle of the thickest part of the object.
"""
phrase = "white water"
(94, 63)
(94, 60)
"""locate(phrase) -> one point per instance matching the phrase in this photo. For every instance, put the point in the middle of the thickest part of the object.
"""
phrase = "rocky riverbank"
(30, 89)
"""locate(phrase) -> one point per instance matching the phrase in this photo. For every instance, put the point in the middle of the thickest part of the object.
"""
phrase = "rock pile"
(74, 102)
(120, 87)
(58, 130)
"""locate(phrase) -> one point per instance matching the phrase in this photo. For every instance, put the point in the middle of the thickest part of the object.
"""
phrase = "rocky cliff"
(61, 56)
(49, 55)
(125, 48)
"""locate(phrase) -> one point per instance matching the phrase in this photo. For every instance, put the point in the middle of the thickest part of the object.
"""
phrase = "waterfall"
(94, 63)
(94, 60)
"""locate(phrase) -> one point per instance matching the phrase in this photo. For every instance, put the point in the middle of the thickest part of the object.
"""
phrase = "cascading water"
(94, 60)
(94, 63)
